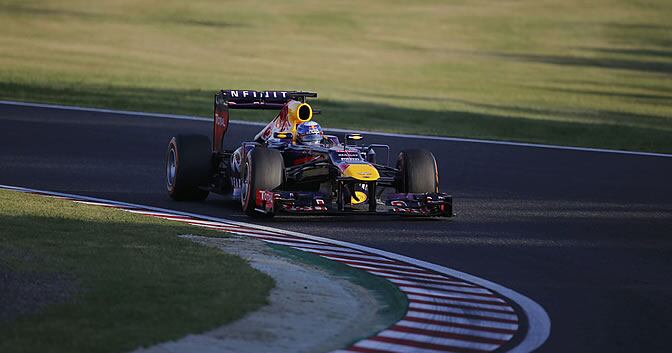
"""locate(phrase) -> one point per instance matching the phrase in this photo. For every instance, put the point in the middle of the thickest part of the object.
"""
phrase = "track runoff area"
(448, 311)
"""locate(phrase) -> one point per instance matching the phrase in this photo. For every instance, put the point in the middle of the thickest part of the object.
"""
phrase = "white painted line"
(423, 280)
(235, 229)
(353, 255)
(440, 286)
(333, 249)
(87, 202)
(170, 218)
(273, 236)
(197, 222)
(452, 310)
(301, 246)
(460, 320)
(450, 295)
(155, 214)
(457, 302)
(224, 225)
(539, 323)
(403, 272)
(106, 111)
(388, 134)
(457, 330)
(372, 263)
(211, 226)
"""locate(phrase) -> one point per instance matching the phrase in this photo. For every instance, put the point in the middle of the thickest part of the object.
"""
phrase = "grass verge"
(101, 280)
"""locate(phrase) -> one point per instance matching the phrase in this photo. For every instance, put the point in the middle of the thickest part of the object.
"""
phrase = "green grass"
(571, 72)
(136, 283)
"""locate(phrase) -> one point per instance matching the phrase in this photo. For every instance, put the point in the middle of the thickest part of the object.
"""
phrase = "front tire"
(263, 169)
(417, 172)
(188, 167)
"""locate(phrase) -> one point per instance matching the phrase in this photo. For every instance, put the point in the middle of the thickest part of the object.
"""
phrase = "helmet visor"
(311, 138)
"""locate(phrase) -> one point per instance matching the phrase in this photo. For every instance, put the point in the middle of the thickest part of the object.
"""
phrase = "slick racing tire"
(188, 167)
(417, 172)
(263, 169)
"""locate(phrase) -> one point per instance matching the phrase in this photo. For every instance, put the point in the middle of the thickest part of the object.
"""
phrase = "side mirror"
(353, 137)
(283, 135)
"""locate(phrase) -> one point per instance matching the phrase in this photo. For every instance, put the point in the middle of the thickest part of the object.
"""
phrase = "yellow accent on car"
(361, 195)
(364, 172)
(298, 113)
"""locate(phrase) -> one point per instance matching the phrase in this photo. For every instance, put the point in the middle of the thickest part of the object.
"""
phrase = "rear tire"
(263, 169)
(417, 172)
(188, 167)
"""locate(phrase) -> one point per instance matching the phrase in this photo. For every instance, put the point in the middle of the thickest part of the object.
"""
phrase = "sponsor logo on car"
(257, 94)
(220, 121)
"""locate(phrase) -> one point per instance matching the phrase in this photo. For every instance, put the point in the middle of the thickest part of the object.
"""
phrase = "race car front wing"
(409, 204)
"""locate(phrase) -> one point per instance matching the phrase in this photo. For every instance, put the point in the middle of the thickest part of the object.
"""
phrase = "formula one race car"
(292, 166)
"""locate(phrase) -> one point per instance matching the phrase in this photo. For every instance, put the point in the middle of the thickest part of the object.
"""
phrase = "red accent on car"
(343, 166)
(259, 201)
(219, 126)
(304, 160)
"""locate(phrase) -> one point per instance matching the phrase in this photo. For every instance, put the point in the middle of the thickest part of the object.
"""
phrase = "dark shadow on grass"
(400, 97)
(659, 53)
(644, 42)
(27, 293)
(608, 117)
(140, 282)
(639, 26)
(127, 98)
(34, 10)
(210, 23)
(609, 129)
(604, 63)
(656, 98)
(617, 129)
(644, 35)
(31, 10)
(658, 88)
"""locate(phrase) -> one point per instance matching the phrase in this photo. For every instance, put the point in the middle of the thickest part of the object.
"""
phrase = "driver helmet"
(309, 133)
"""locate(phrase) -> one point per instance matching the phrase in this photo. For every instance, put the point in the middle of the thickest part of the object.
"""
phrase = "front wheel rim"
(245, 186)
(171, 168)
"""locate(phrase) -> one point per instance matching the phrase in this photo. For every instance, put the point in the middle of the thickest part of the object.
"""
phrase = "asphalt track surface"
(587, 235)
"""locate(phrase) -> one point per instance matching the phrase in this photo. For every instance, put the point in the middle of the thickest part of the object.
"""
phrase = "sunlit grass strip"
(592, 74)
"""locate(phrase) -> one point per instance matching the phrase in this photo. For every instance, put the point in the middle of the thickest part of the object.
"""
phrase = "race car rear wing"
(249, 99)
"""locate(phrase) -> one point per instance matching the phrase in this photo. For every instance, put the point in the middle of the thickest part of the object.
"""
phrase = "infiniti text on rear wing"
(249, 99)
